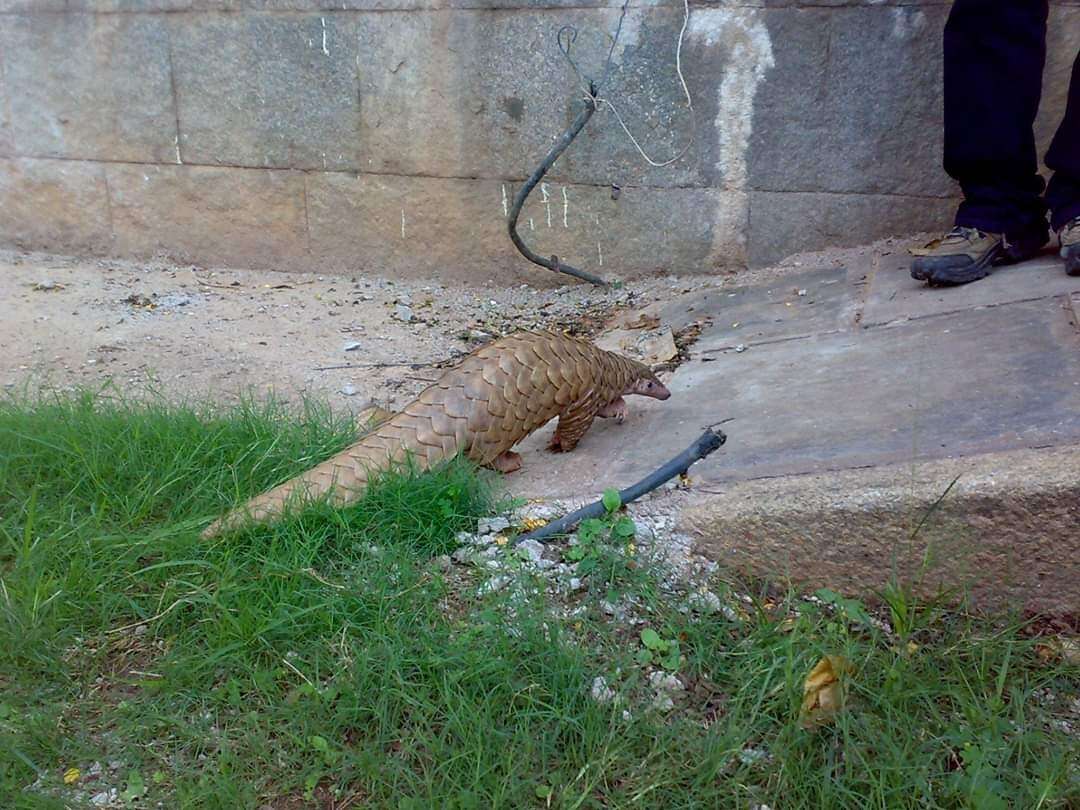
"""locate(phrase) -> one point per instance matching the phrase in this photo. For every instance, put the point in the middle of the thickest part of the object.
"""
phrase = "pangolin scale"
(493, 399)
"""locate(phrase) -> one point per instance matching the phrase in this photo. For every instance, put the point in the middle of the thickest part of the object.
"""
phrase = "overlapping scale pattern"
(493, 399)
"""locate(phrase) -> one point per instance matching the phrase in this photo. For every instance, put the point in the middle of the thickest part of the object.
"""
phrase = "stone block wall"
(389, 136)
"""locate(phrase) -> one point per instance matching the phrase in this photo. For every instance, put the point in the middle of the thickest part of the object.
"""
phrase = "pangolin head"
(647, 384)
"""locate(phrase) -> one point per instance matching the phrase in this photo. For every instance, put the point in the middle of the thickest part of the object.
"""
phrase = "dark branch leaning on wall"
(592, 92)
(592, 101)
(519, 200)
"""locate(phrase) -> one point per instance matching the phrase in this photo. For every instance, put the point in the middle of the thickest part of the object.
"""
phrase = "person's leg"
(1063, 193)
(994, 54)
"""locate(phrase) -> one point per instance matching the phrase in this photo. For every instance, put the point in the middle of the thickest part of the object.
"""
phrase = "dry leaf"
(71, 776)
(643, 321)
(823, 692)
(1051, 649)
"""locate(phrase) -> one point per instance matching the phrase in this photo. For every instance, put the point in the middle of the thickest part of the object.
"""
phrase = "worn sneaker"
(967, 254)
(1070, 246)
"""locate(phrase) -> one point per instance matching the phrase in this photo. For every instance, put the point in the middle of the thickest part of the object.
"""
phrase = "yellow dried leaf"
(500, 540)
(823, 692)
(532, 524)
(71, 776)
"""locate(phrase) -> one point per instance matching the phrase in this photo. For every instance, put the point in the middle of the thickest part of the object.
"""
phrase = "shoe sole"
(1071, 255)
(964, 274)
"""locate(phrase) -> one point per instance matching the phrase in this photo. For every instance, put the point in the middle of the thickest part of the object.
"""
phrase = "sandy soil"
(68, 322)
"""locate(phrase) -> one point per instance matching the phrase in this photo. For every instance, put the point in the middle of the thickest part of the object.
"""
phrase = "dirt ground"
(187, 332)
(194, 333)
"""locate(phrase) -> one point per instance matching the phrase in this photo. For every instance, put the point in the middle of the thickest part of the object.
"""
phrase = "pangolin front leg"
(616, 409)
(573, 423)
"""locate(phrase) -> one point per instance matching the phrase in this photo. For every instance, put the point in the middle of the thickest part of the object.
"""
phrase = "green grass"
(326, 655)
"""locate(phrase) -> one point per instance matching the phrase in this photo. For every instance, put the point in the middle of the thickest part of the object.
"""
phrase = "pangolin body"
(493, 399)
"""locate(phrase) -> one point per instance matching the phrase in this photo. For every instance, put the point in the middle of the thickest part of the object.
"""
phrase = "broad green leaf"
(651, 639)
(611, 500)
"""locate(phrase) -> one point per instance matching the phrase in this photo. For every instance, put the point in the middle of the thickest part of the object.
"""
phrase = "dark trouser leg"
(994, 55)
(1063, 156)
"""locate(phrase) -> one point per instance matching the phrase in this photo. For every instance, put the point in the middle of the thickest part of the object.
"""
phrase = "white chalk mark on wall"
(546, 201)
(599, 252)
(325, 50)
(402, 223)
(506, 209)
(565, 207)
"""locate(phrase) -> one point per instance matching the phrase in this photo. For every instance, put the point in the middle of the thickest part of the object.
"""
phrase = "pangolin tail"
(344, 476)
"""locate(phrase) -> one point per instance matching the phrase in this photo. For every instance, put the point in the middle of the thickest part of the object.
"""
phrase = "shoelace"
(966, 234)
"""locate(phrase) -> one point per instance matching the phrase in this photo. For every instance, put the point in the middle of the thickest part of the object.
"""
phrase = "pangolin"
(493, 399)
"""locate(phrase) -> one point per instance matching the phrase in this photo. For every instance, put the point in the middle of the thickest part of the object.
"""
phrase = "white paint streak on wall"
(402, 223)
(546, 200)
(325, 50)
(565, 207)
(743, 38)
(506, 209)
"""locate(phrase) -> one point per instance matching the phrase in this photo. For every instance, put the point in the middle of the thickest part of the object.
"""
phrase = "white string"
(686, 90)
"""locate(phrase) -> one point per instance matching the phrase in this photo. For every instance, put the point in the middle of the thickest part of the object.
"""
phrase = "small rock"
(105, 798)
(442, 562)
(601, 692)
(663, 702)
(404, 299)
(665, 681)
(403, 313)
(94, 769)
(496, 583)
(533, 550)
(705, 602)
(749, 756)
(352, 346)
(492, 525)
(462, 556)
(740, 348)
(575, 583)
(349, 390)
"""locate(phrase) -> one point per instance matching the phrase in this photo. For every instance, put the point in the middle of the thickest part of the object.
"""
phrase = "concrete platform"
(856, 396)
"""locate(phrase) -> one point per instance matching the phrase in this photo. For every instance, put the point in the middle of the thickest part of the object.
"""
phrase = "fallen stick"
(705, 444)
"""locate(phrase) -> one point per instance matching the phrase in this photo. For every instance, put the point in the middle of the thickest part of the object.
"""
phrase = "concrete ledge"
(1009, 531)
